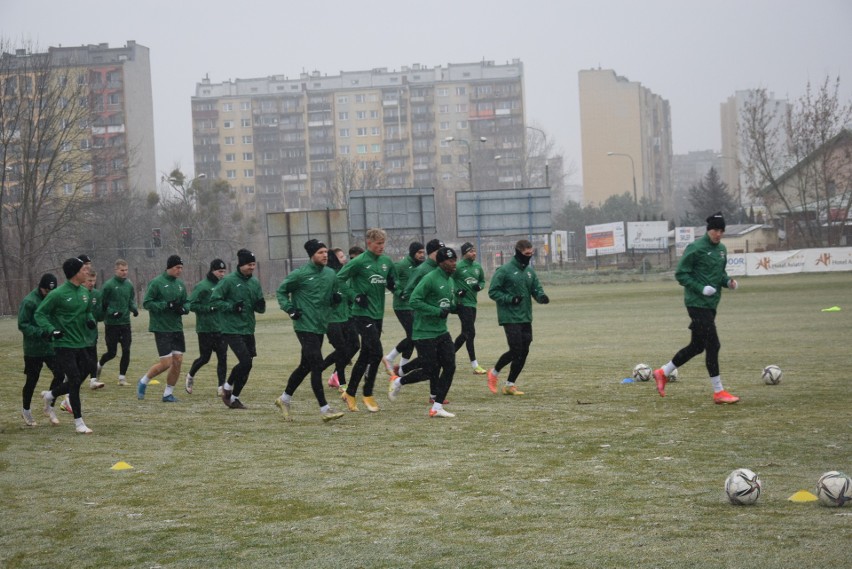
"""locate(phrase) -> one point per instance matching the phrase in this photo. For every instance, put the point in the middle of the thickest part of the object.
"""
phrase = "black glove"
(461, 292)
(294, 313)
(57, 334)
(238, 307)
(183, 310)
(134, 312)
(361, 300)
(476, 287)
(91, 324)
(391, 283)
(171, 305)
(444, 313)
(544, 299)
(516, 300)
(116, 314)
(47, 335)
(336, 298)
(178, 308)
(260, 305)
(212, 309)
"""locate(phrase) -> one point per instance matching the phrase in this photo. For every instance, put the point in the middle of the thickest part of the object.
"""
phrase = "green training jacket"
(309, 289)
(511, 280)
(118, 296)
(68, 307)
(343, 311)
(468, 275)
(97, 313)
(417, 274)
(404, 269)
(235, 287)
(368, 274)
(200, 302)
(703, 263)
(163, 289)
(435, 291)
(35, 345)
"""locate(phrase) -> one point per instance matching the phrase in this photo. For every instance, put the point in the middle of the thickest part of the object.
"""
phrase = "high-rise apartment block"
(279, 141)
(111, 144)
(733, 158)
(626, 139)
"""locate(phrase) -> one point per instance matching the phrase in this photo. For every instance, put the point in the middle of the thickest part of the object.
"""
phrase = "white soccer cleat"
(440, 413)
(83, 429)
(28, 417)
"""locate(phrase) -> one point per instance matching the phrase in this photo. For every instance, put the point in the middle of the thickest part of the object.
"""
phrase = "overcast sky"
(694, 54)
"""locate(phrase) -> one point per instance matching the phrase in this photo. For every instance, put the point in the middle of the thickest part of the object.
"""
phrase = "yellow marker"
(154, 382)
(802, 496)
(121, 465)
(832, 309)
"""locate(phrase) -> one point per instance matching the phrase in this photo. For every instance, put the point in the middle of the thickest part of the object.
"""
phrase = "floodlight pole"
(470, 183)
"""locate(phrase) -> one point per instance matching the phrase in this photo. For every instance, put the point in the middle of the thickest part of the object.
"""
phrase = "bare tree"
(797, 164)
(352, 175)
(47, 172)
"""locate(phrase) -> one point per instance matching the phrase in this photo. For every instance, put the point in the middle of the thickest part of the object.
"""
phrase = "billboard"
(683, 237)
(287, 231)
(648, 235)
(411, 210)
(605, 239)
(521, 211)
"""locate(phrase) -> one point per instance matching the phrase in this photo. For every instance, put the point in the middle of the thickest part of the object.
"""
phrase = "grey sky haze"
(694, 54)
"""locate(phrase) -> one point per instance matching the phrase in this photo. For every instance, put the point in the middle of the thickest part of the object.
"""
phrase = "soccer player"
(341, 328)
(237, 297)
(432, 300)
(98, 314)
(307, 295)
(38, 349)
(701, 272)
(404, 268)
(93, 370)
(66, 314)
(119, 302)
(512, 287)
(165, 300)
(470, 279)
(207, 327)
(369, 274)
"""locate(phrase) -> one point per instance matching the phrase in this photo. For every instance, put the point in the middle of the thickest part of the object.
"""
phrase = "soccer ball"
(642, 372)
(742, 487)
(834, 489)
(772, 375)
(673, 376)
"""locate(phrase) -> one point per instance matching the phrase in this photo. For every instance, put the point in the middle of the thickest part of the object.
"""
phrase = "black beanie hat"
(333, 261)
(466, 247)
(173, 261)
(244, 257)
(414, 248)
(444, 254)
(48, 281)
(433, 246)
(716, 221)
(85, 258)
(71, 267)
(217, 265)
(312, 246)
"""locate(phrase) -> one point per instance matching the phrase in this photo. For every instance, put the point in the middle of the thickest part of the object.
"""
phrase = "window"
(248, 189)
(227, 107)
(68, 189)
(461, 91)
(248, 156)
(245, 123)
(85, 143)
(360, 99)
(361, 115)
(229, 140)
(374, 114)
(361, 131)
(461, 125)
(230, 157)
(231, 174)
(443, 91)
(375, 131)
(343, 149)
(247, 139)
(445, 125)
(245, 106)
(376, 148)
(228, 124)
(343, 115)
(65, 146)
(362, 149)
(443, 109)
(248, 173)
(344, 133)
(461, 108)
(446, 159)
(342, 100)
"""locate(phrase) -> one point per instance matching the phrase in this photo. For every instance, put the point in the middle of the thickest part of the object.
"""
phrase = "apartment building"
(626, 139)
(111, 145)
(278, 141)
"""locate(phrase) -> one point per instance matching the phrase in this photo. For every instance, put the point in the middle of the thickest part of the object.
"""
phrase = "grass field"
(583, 471)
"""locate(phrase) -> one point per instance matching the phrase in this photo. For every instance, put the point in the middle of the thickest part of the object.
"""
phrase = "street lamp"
(633, 169)
(470, 179)
(546, 164)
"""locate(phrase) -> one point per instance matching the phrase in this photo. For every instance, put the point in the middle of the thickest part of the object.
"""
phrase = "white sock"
(79, 422)
(397, 382)
(93, 380)
(324, 409)
(403, 361)
(122, 378)
(495, 372)
(285, 398)
(392, 355)
(717, 384)
(669, 368)
(509, 384)
(145, 379)
(47, 396)
(189, 377)
(474, 364)
(437, 406)
(227, 386)
(168, 391)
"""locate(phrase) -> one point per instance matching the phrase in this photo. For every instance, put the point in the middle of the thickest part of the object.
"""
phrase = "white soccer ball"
(772, 375)
(742, 487)
(834, 489)
(642, 372)
(673, 375)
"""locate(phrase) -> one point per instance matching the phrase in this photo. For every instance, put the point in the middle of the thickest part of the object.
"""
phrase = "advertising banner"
(829, 259)
(683, 237)
(605, 239)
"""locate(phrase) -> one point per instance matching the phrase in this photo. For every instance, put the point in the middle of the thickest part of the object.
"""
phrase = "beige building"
(625, 136)
(279, 141)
